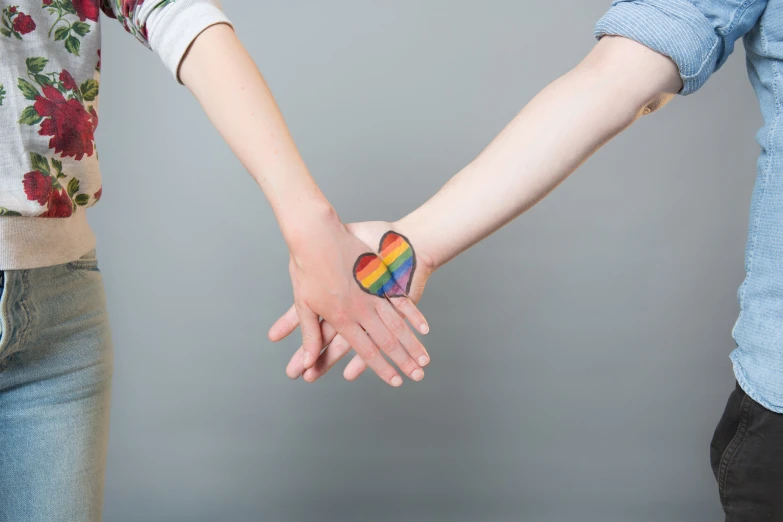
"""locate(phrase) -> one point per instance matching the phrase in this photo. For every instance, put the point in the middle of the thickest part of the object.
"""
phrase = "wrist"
(426, 262)
(299, 225)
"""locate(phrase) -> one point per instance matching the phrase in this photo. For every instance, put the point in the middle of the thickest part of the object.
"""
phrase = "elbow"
(633, 75)
(656, 103)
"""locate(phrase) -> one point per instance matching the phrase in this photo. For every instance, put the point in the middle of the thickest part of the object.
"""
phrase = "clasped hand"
(357, 297)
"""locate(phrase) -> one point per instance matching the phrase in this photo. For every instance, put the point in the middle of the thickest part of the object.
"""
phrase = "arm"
(222, 76)
(619, 81)
(200, 48)
(230, 88)
(662, 47)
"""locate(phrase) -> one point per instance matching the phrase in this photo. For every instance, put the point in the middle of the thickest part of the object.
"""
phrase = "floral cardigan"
(50, 62)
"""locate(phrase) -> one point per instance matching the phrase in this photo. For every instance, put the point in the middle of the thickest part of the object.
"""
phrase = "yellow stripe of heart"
(393, 244)
(394, 254)
(370, 279)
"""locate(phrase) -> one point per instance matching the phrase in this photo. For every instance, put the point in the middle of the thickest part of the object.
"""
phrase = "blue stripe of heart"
(391, 283)
(403, 268)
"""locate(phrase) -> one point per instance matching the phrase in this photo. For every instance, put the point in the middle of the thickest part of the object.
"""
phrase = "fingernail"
(306, 360)
(417, 375)
(396, 381)
(424, 328)
(424, 360)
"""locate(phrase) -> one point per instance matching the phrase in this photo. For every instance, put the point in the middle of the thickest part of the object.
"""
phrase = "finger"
(296, 366)
(311, 335)
(390, 345)
(284, 326)
(395, 322)
(354, 369)
(336, 350)
(365, 347)
(410, 312)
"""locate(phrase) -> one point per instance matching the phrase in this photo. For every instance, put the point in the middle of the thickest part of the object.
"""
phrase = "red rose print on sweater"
(37, 186)
(87, 9)
(69, 124)
(14, 22)
(61, 107)
(126, 12)
(68, 81)
(70, 23)
(24, 24)
(94, 118)
(46, 184)
(129, 6)
(60, 205)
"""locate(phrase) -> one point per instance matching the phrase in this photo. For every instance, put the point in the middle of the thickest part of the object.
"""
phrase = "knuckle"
(387, 342)
(403, 304)
(308, 337)
(340, 317)
(365, 317)
(409, 366)
(417, 348)
(397, 325)
(368, 353)
(386, 374)
(340, 345)
(407, 309)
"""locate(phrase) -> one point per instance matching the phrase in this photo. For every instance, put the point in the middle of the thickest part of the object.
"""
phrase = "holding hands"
(392, 273)
(326, 258)
(618, 82)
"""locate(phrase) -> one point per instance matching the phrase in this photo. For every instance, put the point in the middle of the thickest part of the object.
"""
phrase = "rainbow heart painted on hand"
(390, 272)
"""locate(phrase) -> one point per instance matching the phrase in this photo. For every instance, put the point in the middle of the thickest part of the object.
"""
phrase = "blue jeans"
(55, 383)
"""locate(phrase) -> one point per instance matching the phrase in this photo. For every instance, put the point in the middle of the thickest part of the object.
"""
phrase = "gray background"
(584, 387)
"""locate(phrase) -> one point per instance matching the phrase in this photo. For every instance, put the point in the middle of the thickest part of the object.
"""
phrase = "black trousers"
(747, 459)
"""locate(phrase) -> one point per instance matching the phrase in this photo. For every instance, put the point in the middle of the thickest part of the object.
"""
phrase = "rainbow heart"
(391, 271)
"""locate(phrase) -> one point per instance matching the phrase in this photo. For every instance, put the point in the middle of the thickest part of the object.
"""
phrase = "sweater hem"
(35, 242)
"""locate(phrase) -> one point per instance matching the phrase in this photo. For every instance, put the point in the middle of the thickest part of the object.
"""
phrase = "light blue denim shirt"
(699, 35)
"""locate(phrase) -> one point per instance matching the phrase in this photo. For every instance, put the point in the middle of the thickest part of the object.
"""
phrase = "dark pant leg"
(747, 459)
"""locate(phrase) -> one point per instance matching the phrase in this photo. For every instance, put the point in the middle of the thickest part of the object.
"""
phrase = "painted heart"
(373, 276)
(391, 271)
(397, 254)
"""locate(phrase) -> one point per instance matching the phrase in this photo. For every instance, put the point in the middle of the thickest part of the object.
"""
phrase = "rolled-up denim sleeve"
(698, 35)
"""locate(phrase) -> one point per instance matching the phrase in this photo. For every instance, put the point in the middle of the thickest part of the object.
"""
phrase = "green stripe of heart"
(400, 260)
(382, 280)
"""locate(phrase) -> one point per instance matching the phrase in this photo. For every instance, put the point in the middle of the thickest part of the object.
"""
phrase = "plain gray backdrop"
(579, 356)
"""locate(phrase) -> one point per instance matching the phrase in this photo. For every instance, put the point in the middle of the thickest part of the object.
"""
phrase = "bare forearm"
(558, 130)
(222, 76)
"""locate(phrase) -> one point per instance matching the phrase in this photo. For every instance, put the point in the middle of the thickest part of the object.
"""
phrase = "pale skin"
(220, 73)
(618, 82)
